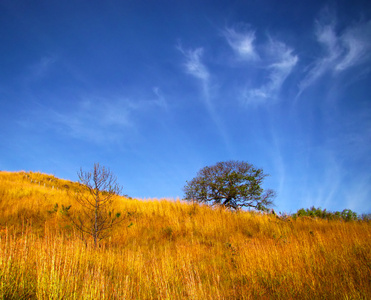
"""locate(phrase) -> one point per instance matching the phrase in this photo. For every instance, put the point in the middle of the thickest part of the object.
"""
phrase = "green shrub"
(346, 214)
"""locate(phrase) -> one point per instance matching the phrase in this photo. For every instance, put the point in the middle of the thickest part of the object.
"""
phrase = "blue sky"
(156, 90)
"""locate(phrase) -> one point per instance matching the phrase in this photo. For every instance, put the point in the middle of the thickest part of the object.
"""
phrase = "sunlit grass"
(173, 250)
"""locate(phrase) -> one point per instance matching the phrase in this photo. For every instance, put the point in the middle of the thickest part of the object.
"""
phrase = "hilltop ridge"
(172, 250)
(42, 179)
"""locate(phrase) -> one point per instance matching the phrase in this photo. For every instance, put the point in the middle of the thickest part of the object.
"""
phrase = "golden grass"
(173, 250)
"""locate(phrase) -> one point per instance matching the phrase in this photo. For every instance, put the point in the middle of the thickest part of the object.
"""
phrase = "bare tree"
(98, 188)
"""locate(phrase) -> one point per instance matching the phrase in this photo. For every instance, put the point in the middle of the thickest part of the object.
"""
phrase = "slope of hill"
(172, 250)
(26, 197)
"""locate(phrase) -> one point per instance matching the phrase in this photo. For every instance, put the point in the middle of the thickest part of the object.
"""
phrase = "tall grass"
(172, 250)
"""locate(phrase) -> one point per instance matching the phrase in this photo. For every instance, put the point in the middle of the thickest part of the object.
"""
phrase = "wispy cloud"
(329, 186)
(357, 196)
(280, 62)
(160, 100)
(322, 190)
(357, 42)
(341, 51)
(97, 120)
(97, 117)
(326, 37)
(278, 162)
(39, 69)
(272, 59)
(285, 61)
(242, 42)
(194, 66)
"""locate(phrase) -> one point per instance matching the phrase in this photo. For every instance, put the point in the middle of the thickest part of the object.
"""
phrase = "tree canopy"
(233, 184)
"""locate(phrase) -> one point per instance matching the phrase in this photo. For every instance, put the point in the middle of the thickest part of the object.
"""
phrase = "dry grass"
(173, 250)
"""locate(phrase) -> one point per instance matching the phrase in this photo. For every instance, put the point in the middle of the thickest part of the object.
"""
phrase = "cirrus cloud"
(340, 51)
(242, 42)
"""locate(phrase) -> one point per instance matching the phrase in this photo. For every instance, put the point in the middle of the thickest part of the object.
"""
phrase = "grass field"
(172, 250)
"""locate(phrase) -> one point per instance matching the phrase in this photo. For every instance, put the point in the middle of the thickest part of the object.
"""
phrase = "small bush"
(346, 214)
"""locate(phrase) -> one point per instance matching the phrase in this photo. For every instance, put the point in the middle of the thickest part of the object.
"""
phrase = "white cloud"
(357, 42)
(282, 61)
(326, 36)
(273, 58)
(195, 67)
(242, 42)
(340, 51)
(285, 62)
(193, 64)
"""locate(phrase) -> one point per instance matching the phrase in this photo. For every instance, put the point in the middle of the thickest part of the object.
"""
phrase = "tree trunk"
(95, 233)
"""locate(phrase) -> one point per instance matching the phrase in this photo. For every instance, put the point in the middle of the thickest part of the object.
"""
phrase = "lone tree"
(233, 184)
(98, 188)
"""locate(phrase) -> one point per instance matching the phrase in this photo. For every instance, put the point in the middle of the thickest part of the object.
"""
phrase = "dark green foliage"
(54, 210)
(346, 214)
(349, 215)
(168, 232)
(64, 210)
(232, 184)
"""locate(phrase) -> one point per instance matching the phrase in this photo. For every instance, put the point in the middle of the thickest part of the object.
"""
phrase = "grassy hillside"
(172, 250)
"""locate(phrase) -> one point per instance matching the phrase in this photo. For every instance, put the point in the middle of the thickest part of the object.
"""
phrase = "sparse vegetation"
(98, 190)
(173, 250)
(346, 214)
